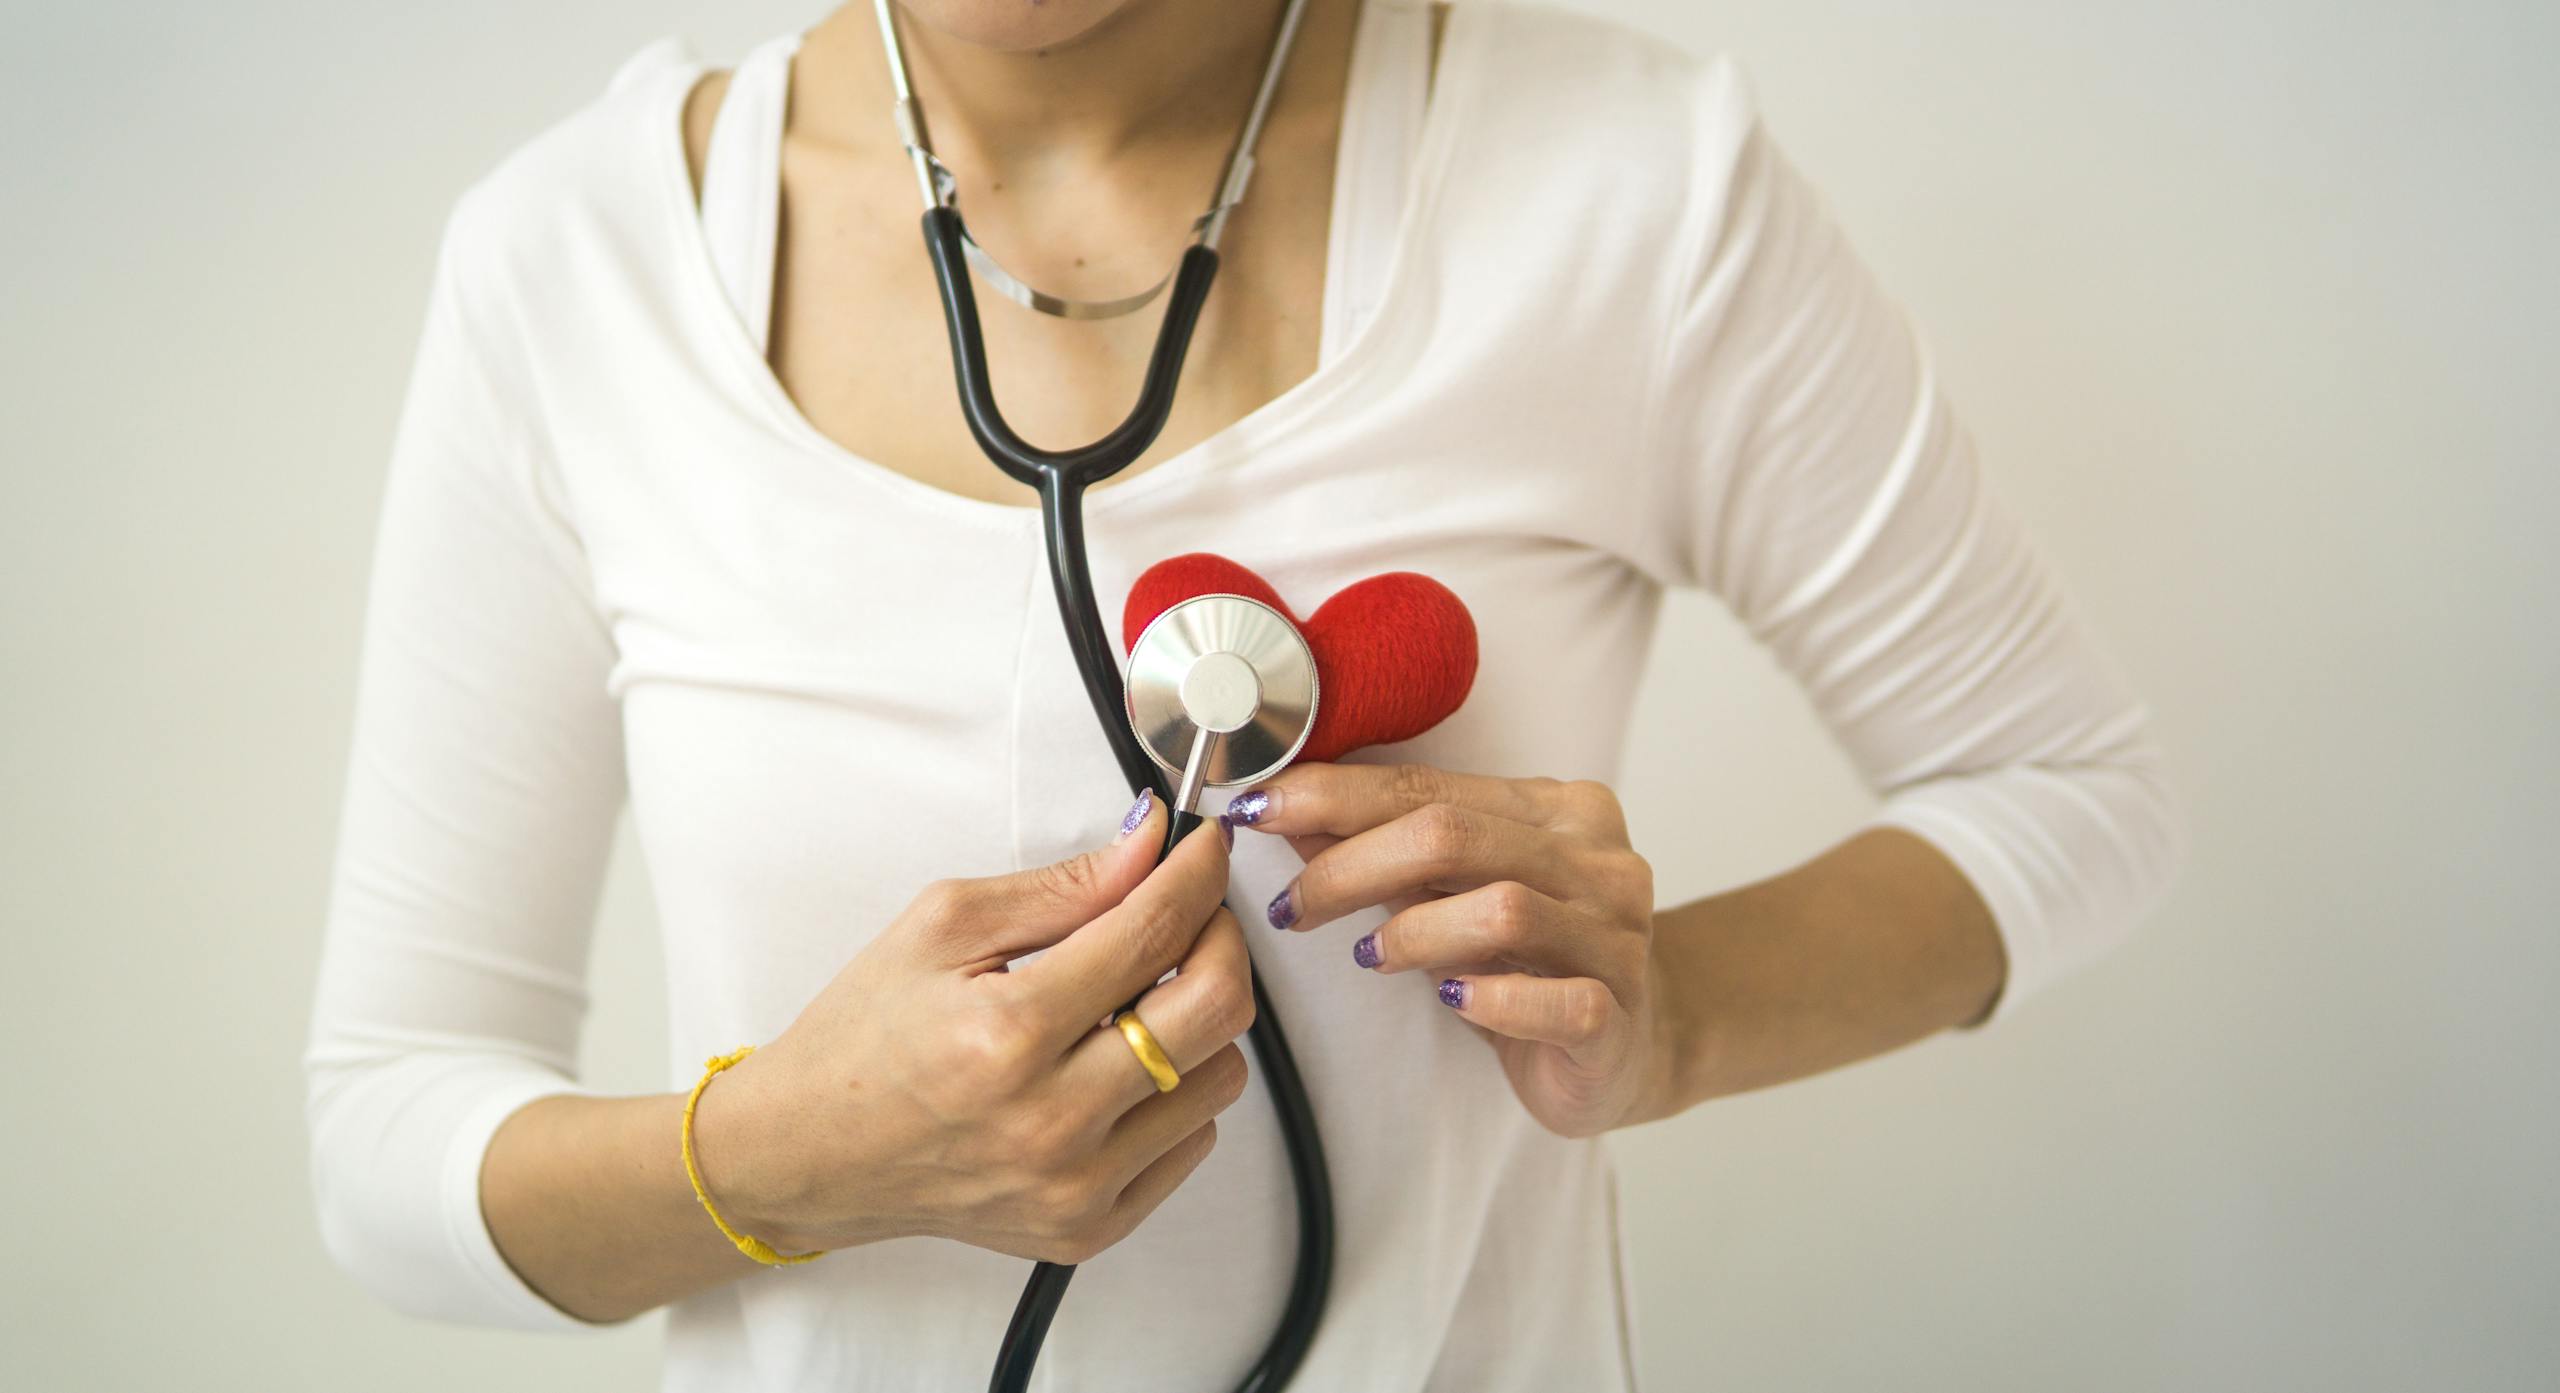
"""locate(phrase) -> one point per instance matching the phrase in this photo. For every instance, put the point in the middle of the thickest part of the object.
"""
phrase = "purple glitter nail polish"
(1227, 832)
(1138, 811)
(1453, 994)
(1365, 952)
(1250, 808)
(1284, 907)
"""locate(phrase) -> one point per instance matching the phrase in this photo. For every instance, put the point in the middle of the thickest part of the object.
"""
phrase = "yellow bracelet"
(755, 1248)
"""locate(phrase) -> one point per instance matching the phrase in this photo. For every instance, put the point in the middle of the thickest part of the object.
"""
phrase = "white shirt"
(1587, 336)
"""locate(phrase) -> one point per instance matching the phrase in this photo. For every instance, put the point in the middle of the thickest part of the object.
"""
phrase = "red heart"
(1395, 653)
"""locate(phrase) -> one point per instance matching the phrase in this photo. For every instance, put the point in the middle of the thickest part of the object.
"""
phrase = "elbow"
(375, 1220)
(2124, 850)
(348, 1216)
(356, 1248)
(395, 1147)
(2071, 854)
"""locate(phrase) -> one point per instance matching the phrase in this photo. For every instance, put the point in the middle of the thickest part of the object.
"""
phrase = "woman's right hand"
(928, 1090)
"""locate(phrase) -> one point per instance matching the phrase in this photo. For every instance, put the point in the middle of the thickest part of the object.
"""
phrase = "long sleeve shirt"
(1588, 336)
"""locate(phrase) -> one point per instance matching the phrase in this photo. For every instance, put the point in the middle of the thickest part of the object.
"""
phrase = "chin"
(1013, 26)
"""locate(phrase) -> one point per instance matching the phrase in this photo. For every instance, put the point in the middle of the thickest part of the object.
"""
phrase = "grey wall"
(2246, 304)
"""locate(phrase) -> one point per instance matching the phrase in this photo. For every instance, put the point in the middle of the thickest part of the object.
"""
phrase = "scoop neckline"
(1450, 84)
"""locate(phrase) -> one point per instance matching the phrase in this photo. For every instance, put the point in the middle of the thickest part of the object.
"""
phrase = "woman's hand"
(1521, 896)
(927, 1090)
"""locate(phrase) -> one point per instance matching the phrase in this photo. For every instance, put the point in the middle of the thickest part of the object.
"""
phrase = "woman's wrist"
(746, 1164)
(1675, 1045)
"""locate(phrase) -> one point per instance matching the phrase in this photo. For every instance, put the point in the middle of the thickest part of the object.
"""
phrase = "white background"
(2249, 306)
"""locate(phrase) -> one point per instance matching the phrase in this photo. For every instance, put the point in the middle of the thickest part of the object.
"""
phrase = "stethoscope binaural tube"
(1061, 477)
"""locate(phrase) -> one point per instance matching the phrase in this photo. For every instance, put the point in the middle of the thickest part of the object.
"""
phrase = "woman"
(683, 509)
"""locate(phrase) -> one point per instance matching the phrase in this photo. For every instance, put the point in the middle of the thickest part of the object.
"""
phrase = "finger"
(989, 920)
(1315, 844)
(1306, 844)
(1502, 926)
(1568, 1012)
(1208, 1003)
(1346, 799)
(1437, 847)
(1107, 962)
(1157, 1125)
(1160, 1179)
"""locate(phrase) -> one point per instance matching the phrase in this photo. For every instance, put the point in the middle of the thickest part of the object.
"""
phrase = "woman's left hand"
(1521, 896)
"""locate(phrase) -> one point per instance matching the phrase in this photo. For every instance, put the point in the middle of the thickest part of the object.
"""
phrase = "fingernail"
(1227, 832)
(1138, 811)
(1365, 952)
(1284, 907)
(1250, 808)
(1453, 994)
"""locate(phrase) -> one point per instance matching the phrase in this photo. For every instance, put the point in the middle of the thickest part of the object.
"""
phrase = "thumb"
(1011, 916)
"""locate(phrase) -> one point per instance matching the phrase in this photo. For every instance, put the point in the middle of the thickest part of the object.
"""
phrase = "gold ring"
(1142, 1043)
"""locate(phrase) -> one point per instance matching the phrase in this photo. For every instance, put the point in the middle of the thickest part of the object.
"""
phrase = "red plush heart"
(1395, 653)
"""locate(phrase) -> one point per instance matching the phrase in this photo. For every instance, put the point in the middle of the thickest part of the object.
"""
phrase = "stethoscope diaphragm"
(1222, 691)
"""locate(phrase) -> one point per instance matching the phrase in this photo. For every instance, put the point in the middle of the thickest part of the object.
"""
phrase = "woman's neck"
(1154, 73)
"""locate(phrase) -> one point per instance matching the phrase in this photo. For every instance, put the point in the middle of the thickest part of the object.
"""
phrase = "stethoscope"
(1221, 689)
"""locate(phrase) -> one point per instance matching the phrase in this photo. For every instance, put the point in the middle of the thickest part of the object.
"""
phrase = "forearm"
(588, 1201)
(1878, 942)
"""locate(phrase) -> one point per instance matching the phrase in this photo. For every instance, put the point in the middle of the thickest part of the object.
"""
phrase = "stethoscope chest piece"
(1221, 691)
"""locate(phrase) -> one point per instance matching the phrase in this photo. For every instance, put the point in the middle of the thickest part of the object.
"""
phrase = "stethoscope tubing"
(1061, 477)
